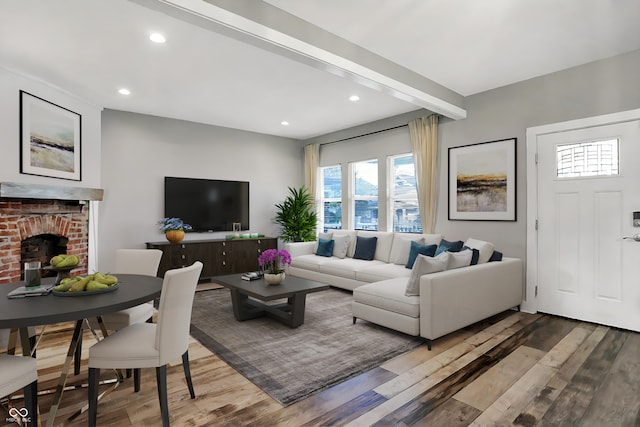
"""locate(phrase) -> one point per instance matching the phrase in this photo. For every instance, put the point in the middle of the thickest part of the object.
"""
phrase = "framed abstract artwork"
(482, 181)
(50, 139)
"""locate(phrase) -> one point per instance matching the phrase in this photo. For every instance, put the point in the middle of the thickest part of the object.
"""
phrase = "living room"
(128, 154)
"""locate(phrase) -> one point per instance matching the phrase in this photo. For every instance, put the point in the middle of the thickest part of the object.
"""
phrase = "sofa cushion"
(485, 248)
(341, 245)
(418, 249)
(388, 295)
(425, 265)
(446, 245)
(310, 262)
(325, 247)
(459, 259)
(383, 245)
(401, 247)
(346, 267)
(365, 248)
(382, 272)
(431, 239)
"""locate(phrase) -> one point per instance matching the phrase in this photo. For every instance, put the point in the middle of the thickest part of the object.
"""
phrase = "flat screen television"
(207, 204)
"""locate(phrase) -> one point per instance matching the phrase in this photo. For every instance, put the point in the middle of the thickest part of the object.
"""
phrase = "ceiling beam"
(273, 29)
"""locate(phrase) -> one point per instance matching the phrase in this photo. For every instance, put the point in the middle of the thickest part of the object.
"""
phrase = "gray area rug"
(291, 364)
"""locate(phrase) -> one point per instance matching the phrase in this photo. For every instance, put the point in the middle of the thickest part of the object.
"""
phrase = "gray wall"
(593, 89)
(138, 151)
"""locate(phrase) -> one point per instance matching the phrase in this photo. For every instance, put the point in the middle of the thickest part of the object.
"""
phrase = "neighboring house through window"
(404, 215)
(331, 214)
(364, 195)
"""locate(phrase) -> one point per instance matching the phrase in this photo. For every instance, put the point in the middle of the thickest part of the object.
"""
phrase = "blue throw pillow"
(417, 248)
(445, 246)
(476, 254)
(365, 248)
(325, 247)
(495, 256)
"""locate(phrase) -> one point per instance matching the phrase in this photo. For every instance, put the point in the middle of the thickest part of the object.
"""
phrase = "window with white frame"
(364, 195)
(404, 211)
(331, 198)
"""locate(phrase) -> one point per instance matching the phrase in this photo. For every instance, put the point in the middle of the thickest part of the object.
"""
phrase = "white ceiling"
(441, 50)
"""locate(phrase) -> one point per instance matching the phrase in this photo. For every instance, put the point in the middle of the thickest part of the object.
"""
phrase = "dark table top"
(133, 289)
(260, 289)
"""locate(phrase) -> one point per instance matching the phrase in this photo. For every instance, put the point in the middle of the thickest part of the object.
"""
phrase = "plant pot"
(274, 279)
(174, 236)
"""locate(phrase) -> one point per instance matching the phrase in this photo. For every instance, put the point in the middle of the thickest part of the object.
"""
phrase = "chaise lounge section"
(438, 303)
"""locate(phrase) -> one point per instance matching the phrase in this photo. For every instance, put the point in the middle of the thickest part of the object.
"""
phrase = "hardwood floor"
(514, 369)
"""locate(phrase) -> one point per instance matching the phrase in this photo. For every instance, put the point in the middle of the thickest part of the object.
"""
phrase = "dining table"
(21, 313)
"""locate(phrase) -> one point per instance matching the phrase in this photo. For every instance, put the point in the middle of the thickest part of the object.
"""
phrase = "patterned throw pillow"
(475, 256)
(485, 248)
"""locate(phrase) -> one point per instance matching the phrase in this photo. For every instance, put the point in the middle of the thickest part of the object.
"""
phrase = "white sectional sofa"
(448, 300)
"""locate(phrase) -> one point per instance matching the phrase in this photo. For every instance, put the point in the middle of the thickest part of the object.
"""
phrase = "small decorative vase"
(274, 279)
(174, 236)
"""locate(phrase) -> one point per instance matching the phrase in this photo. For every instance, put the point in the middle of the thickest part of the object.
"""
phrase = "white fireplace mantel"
(52, 192)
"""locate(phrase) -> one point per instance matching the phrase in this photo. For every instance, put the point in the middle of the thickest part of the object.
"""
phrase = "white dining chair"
(128, 261)
(5, 335)
(20, 372)
(151, 345)
(134, 261)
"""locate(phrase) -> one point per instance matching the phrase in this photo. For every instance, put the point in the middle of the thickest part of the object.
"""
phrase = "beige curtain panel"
(311, 162)
(424, 142)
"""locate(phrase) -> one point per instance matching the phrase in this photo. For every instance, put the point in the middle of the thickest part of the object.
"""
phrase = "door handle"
(635, 237)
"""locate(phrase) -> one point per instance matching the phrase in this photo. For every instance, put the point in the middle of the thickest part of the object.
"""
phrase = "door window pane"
(591, 158)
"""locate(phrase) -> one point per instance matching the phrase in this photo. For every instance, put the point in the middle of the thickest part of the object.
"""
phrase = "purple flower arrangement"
(271, 260)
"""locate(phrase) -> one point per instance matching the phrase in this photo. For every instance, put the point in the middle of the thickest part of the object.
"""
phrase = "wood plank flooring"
(513, 369)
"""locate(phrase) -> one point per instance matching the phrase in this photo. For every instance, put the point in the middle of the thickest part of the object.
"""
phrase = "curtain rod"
(365, 134)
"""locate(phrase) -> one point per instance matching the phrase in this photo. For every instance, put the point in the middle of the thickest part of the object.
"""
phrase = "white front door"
(586, 270)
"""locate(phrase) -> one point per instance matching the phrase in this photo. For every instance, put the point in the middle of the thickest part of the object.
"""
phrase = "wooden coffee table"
(294, 289)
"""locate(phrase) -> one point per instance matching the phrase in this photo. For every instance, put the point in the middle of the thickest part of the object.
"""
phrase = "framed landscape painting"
(50, 139)
(482, 181)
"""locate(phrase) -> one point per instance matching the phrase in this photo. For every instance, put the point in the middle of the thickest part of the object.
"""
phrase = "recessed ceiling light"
(354, 98)
(124, 91)
(157, 38)
(284, 123)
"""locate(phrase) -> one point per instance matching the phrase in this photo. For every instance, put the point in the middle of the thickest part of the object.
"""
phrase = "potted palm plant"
(297, 217)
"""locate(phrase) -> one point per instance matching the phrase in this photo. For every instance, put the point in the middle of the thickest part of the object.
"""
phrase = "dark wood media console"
(219, 256)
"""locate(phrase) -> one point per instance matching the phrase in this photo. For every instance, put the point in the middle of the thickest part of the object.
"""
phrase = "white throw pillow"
(401, 248)
(340, 246)
(485, 249)
(424, 265)
(459, 259)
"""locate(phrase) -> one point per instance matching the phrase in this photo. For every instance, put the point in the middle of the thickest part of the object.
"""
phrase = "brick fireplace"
(37, 222)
